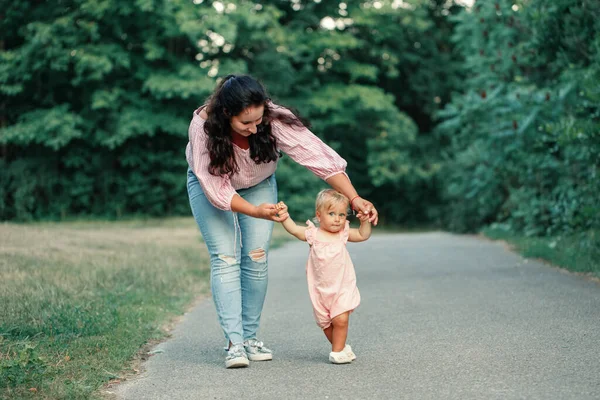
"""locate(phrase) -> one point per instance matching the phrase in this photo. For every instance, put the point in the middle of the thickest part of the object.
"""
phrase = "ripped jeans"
(238, 246)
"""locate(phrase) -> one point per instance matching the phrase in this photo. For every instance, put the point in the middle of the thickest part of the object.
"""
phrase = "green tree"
(523, 136)
(95, 99)
(97, 96)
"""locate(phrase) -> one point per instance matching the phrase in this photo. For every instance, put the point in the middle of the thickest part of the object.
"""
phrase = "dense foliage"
(524, 134)
(97, 96)
(447, 115)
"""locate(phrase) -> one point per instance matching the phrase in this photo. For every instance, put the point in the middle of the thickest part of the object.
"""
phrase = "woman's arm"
(264, 211)
(217, 189)
(308, 150)
(342, 184)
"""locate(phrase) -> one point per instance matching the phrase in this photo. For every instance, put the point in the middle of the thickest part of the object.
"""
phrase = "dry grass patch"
(79, 299)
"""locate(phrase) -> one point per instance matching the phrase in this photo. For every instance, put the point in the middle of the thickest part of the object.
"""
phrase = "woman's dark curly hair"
(233, 95)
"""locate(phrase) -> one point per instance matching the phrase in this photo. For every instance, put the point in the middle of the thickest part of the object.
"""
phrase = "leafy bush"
(524, 137)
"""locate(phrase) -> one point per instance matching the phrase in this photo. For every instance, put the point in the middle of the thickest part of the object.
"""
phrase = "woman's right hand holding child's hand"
(271, 212)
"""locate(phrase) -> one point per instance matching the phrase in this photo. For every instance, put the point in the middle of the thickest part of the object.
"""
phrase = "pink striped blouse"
(299, 143)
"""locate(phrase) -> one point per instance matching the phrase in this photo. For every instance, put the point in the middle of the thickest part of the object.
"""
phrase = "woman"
(233, 149)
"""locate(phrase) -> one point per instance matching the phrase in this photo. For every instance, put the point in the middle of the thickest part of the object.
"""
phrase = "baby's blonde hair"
(329, 197)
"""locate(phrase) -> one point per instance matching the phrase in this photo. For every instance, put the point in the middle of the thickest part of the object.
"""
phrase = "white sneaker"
(339, 357)
(349, 352)
(236, 357)
(256, 351)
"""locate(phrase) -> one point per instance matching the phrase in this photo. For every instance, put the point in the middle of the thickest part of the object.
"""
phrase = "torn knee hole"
(228, 259)
(258, 255)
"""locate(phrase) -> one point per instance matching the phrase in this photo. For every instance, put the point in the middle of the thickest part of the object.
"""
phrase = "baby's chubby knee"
(341, 321)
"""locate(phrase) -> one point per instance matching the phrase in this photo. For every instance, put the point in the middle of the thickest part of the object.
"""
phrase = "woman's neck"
(236, 138)
(239, 140)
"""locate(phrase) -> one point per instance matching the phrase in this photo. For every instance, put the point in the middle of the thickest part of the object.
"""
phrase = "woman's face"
(245, 122)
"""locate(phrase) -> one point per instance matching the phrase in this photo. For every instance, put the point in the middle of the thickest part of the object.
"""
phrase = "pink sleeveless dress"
(331, 277)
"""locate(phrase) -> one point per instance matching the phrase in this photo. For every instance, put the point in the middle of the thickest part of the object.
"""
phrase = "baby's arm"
(289, 223)
(363, 232)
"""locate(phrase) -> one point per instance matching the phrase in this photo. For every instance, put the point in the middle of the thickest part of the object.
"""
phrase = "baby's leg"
(329, 333)
(339, 332)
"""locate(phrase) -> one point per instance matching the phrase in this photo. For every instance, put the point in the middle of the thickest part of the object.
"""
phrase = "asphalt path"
(442, 317)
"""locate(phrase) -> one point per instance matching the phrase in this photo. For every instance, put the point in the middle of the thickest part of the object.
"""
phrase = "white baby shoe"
(349, 352)
(339, 357)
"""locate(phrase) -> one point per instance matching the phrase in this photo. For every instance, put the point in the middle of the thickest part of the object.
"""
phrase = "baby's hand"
(362, 217)
(282, 209)
(281, 206)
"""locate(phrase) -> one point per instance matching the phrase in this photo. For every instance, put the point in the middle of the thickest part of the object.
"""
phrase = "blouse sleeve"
(218, 189)
(306, 148)
(310, 232)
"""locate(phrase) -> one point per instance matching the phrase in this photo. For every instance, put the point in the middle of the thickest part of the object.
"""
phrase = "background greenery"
(521, 140)
(448, 115)
(97, 97)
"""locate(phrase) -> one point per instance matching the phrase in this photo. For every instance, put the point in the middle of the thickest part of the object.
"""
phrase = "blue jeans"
(238, 246)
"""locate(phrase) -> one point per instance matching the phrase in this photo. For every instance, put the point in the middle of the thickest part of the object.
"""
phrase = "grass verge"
(80, 299)
(578, 253)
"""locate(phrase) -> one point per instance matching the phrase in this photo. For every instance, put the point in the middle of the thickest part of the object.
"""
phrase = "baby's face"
(333, 218)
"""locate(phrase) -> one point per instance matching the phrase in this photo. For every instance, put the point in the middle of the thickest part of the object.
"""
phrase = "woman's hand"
(270, 212)
(366, 207)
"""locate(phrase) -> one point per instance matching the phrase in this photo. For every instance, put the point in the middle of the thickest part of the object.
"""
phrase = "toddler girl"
(329, 271)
